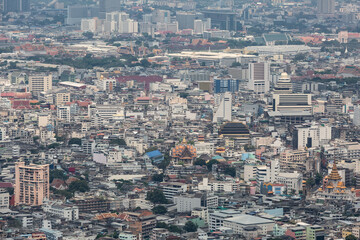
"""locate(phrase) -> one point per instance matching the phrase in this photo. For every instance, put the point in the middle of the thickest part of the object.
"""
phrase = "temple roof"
(334, 175)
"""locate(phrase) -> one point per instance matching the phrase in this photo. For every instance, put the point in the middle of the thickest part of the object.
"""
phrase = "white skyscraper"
(223, 112)
(356, 119)
(198, 26)
(259, 77)
(63, 113)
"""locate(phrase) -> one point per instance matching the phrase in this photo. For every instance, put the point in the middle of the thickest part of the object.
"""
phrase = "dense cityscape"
(180, 119)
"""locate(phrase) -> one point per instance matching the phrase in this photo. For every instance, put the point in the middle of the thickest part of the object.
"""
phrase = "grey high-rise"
(107, 6)
(326, 6)
(16, 6)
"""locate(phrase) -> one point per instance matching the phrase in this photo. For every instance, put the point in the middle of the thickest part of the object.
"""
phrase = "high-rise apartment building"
(63, 113)
(326, 6)
(62, 97)
(31, 184)
(77, 12)
(16, 6)
(40, 83)
(356, 119)
(310, 136)
(106, 6)
(226, 85)
(223, 112)
(185, 20)
(259, 77)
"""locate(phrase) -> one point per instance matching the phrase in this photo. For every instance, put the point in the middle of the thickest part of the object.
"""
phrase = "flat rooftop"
(245, 219)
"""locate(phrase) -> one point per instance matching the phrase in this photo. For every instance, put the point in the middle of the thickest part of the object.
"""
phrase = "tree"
(156, 196)
(115, 234)
(56, 173)
(299, 57)
(350, 237)
(124, 185)
(88, 35)
(12, 65)
(10, 190)
(235, 64)
(353, 181)
(175, 229)
(145, 63)
(190, 227)
(79, 186)
(150, 149)
(230, 171)
(184, 95)
(158, 177)
(76, 141)
(200, 162)
(318, 178)
(310, 182)
(159, 210)
(161, 225)
(53, 145)
(210, 163)
(249, 148)
(117, 141)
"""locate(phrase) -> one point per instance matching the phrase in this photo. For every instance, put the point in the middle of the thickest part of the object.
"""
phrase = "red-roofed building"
(140, 79)
(345, 36)
(6, 185)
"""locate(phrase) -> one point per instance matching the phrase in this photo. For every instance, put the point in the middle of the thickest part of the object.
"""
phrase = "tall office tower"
(108, 6)
(31, 184)
(356, 119)
(185, 20)
(2, 133)
(198, 26)
(224, 19)
(292, 102)
(326, 6)
(283, 85)
(259, 77)
(161, 16)
(16, 6)
(311, 136)
(226, 85)
(93, 25)
(78, 12)
(224, 110)
(40, 83)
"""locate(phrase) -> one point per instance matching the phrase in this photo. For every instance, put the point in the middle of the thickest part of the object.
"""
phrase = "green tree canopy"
(88, 35)
(351, 237)
(318, 178)
(230, 171)
(156, 196)
(210, 163)
(158, 177)
(159, 210)
(200, 162)
(75, 141)
(145, 63)
(56, 173)
(117, 141)
(79, 186)
(190, 226)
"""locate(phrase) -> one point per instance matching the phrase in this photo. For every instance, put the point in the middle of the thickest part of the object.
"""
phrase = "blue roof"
(155, 153)
(217, 157)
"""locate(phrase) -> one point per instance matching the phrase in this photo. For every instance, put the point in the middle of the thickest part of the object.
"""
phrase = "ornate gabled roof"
(341, 185)
(183, 151)
(334, 175)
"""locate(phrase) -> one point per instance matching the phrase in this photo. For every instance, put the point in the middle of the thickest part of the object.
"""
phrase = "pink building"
(31, 184)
